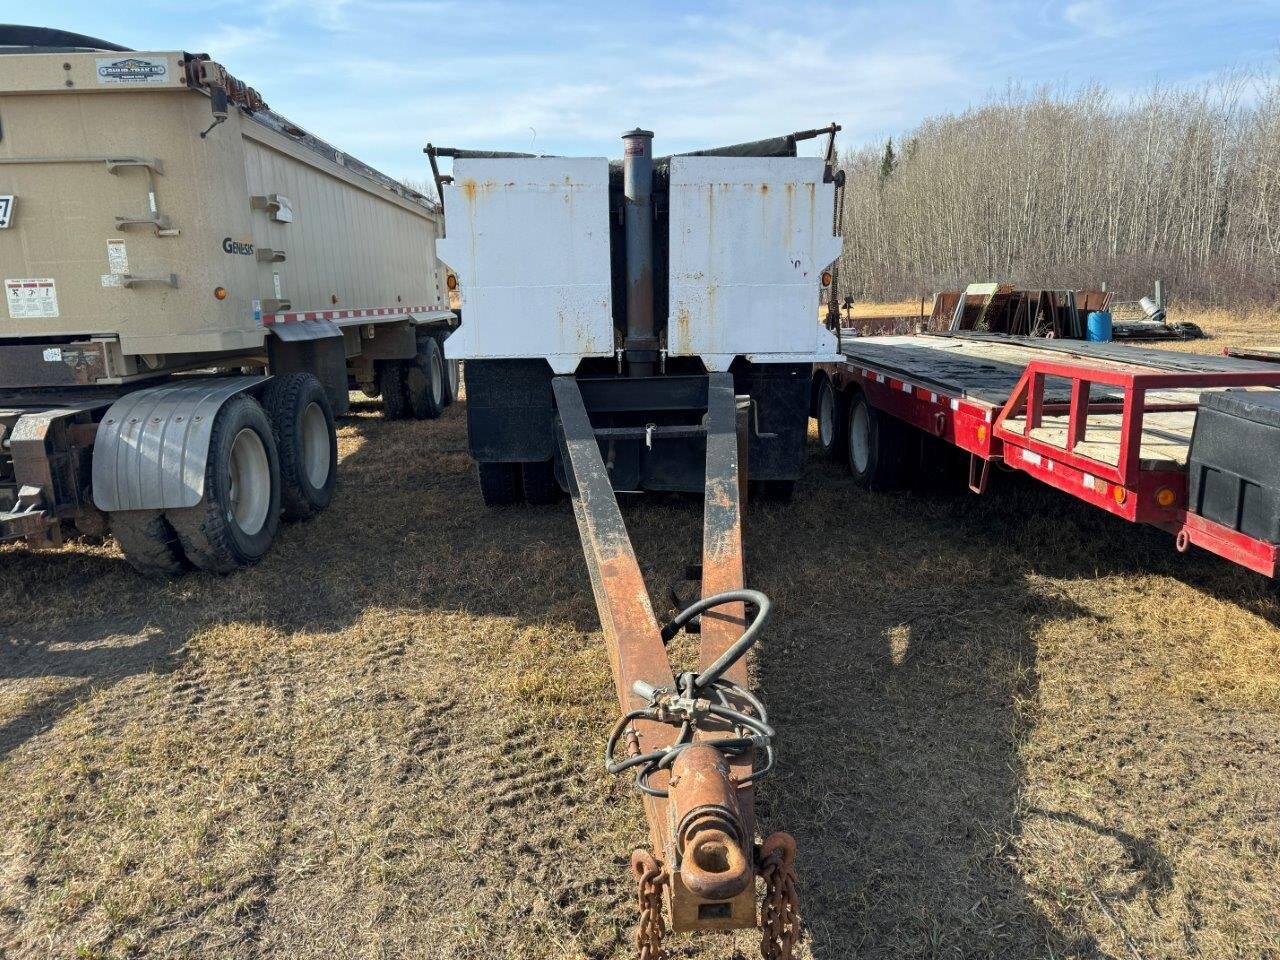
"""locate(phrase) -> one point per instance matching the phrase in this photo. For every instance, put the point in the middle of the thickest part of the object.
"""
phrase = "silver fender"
(152, 445)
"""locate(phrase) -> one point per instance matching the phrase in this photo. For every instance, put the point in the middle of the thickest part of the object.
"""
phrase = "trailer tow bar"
(692, 739)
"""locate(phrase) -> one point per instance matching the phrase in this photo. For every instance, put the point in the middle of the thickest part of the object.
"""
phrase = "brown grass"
(1011, 727)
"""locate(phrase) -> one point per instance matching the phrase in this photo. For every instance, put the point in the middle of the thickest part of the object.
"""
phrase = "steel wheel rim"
(860, 437)
(316, 455)
(827, 416)
(437, 378)
(249, 468)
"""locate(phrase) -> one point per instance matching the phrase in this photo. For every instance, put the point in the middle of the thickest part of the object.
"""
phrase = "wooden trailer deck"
(986, 368)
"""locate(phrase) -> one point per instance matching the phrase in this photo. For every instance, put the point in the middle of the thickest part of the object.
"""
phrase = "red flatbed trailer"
(1109, 424)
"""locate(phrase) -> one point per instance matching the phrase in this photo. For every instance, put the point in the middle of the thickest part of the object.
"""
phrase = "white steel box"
(529, 242)
(749, 240)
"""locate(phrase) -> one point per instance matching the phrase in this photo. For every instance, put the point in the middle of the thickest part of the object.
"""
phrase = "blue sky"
(379, 78)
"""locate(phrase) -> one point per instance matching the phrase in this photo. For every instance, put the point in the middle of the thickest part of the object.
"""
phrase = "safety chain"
(780, 912)
(649, 881)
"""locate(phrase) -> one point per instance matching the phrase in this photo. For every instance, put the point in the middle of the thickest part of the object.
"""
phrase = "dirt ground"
(1010, 726)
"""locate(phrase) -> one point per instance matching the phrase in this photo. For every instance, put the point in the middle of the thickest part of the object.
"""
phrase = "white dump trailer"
(192, 286)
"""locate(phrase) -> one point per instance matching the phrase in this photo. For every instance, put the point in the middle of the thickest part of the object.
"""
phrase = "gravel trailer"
(1186, 443)
(193, 284)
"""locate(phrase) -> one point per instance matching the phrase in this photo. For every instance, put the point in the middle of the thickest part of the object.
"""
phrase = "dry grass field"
(1011, 726)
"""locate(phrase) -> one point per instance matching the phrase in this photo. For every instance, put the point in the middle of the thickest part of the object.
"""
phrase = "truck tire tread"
(499, 483)
(149, 542)
(395, 406)
(285, 399)
(540, 485)
(424, 402)
(206, 530)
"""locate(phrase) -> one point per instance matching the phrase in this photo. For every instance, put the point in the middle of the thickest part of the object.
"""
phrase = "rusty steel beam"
(693, 738)
(722, 570)
(630, 628)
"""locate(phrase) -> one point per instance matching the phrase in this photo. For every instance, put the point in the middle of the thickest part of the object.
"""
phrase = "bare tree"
(1060, 189)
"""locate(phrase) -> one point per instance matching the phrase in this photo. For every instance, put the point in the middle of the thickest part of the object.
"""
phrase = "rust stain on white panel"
(529, 241)
(750, 237)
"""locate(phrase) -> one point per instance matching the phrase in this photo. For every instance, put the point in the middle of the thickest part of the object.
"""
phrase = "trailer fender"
(152, 445)
(312, 346)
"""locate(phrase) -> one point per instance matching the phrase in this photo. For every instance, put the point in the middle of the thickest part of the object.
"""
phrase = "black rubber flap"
(1260, 406)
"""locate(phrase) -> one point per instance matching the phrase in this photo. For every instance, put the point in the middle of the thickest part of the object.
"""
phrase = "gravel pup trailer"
(192, 285)
(650, 325)
(1183, 442)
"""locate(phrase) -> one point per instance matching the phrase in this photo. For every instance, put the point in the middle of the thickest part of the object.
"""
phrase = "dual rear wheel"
(421, 386)
(873, 444)
(267, 459)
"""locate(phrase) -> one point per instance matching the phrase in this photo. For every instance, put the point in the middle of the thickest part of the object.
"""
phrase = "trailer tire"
(775, 491)
(540, 484)
(499, 483)
(306, 440)
(395, 406)
(452, 379)
(875, 446)
(149, 542)
(236, 522)
(831, 414)
(424, 381)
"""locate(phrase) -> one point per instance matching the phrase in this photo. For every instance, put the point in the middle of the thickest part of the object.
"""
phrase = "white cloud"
(1093, 16)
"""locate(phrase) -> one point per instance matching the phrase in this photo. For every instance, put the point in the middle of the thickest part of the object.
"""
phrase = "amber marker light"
(826, 278)
(219, 293)
(451, 282)
(1119, 494)
(1165, 497)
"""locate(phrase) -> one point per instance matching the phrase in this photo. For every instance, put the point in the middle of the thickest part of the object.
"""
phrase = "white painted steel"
(315, 445)
(750, 237)
(250, 487)
(827, 414)
(860, 437)
(529, 242)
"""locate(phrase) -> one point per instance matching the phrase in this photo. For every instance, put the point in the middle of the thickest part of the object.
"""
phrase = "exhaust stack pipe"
(641, 343)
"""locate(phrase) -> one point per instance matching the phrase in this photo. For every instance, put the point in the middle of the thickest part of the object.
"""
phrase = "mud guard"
(152, 445)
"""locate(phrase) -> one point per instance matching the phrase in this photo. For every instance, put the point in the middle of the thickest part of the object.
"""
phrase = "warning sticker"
(133, 69)
(31, 299)
(117, 257)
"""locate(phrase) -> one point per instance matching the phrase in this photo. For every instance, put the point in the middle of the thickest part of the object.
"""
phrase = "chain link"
(780, 912)
(653, 927)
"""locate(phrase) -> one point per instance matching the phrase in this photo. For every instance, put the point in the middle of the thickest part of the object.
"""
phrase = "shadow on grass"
(900, 671)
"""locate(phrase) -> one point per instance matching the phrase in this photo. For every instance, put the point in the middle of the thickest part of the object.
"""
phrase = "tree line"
(1067, 189)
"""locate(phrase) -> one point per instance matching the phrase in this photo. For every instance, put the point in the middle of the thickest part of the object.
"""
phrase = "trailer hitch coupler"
(709, 834)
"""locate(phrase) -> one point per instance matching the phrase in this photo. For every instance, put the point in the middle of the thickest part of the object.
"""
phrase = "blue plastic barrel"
(1099, 325)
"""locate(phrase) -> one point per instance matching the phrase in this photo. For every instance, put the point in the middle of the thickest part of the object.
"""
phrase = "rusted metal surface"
(692, 739)
(52, 365)
(650, 879)
(630, 628)
(1002, 308)
(46, 475)
(637, 190)
(780, 913)
(713, 850)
